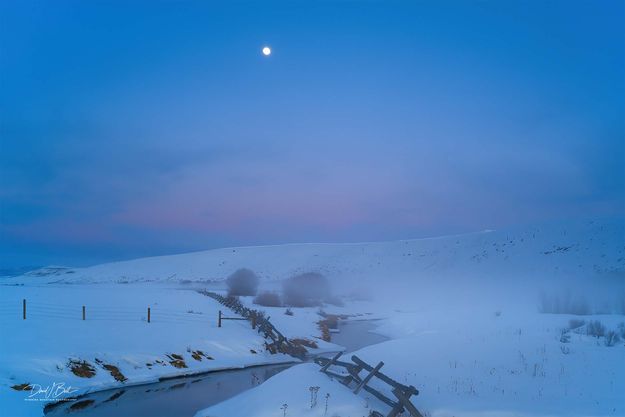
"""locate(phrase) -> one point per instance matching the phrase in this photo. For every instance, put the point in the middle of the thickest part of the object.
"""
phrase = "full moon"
(266, 51)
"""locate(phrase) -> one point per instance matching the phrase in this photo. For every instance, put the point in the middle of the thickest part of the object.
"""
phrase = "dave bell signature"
(54, 392)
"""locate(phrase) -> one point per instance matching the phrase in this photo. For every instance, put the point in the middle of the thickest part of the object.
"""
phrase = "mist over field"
(312, 209)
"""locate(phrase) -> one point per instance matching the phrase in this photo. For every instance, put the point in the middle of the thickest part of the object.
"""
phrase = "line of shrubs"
(565, 303)
(309, 289)
(596, 329)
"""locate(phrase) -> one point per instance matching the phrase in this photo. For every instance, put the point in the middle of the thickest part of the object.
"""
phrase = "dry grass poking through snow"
(81, 368)
(305, 342)
(177, 360)
(198, 355)
(113, 370)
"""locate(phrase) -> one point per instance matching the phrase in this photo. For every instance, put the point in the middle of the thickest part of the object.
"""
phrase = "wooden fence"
(351, 375)
(276, 341)
(221, 317)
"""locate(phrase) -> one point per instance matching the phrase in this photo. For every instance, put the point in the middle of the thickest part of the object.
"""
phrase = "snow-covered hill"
(573, 249)
(461, 310)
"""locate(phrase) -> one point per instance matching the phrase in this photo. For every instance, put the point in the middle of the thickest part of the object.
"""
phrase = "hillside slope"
(567, 249)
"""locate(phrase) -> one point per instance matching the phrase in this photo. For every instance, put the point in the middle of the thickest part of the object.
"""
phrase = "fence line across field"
(277, 342)
(35, 310)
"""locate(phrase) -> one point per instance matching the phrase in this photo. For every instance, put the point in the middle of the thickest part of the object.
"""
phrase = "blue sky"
(141, 128)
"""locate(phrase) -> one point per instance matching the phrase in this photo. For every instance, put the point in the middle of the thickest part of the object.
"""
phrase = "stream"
(183, 397)
(356, 334)
(178, 397)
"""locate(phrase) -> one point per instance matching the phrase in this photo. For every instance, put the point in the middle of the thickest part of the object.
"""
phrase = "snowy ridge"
(574, 248)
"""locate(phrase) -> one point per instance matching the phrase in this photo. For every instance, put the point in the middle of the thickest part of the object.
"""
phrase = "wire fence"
(37, 310)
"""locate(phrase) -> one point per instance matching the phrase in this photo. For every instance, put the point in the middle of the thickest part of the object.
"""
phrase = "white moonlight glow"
(266, 51)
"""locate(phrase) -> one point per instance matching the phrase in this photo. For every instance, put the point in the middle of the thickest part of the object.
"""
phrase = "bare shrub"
(325, 330)
(268, 299)
(595, 328)
(288, 312)
(306, 290)
(612, 338)
(242, 282)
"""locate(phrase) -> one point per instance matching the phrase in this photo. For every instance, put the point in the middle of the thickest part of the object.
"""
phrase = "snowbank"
(292, 388)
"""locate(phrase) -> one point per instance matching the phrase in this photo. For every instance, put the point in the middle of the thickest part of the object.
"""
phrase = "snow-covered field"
(116, 332)
(487, 362)
(463, 313)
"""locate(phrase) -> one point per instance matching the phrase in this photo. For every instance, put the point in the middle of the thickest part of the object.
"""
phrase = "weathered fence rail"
(351, 374)
(221, 317)
(276, 341)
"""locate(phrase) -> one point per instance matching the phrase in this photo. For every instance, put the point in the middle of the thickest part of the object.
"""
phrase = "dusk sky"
(144, 128)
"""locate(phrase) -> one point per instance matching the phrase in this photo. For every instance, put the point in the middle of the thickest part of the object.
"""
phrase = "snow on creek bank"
(177, 397)
(115, 346)
(184, 396)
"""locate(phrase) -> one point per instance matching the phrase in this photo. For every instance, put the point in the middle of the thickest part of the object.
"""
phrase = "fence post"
(253, 321)
(148, 314)
(83, 312)
(24, 309)
(219, 321)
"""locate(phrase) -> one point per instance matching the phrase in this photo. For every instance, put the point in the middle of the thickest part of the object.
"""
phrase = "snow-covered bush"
(595, 328)
(306, 290)
(268, 299)
(242, 282)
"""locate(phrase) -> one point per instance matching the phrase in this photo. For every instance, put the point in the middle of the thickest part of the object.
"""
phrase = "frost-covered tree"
(306, 290)
(242, 282)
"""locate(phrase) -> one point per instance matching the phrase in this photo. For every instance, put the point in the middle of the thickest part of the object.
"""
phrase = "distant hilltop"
(13, 272)
(581, 248)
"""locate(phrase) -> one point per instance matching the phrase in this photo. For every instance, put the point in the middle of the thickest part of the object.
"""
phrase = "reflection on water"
(178, 397)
